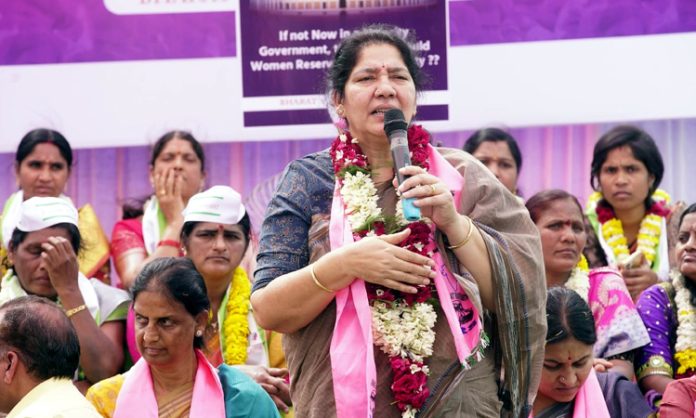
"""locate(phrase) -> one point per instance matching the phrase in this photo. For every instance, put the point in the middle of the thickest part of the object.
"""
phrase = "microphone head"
(394, 120)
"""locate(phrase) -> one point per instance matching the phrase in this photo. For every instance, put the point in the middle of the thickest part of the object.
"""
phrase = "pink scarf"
(352, 355)
(137, 395)
(590, 402)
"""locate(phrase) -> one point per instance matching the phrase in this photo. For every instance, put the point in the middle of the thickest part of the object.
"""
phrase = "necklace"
(649, 232)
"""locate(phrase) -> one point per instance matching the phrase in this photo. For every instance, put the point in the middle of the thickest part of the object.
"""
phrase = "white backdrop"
(517, 84)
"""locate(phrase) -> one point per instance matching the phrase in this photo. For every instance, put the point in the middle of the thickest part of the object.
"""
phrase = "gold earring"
(199, 333)
(340, 110)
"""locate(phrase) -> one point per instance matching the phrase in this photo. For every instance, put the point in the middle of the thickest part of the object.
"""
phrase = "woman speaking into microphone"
(389, 317)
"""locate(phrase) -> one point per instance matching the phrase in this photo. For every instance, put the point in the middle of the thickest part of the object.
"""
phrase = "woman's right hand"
(381, 261)
(168, 185)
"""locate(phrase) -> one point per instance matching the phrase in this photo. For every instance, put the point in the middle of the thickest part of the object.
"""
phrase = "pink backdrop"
(554, 157)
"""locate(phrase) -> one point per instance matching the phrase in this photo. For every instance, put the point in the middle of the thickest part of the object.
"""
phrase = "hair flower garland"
(235, 335)
(402, 324)
(648, 234)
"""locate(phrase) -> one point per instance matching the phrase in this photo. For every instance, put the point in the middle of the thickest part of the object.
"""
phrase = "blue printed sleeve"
(305, 190)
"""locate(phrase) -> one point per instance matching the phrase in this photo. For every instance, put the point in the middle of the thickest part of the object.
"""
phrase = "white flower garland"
(579, 279)
(402, 330)
(360, 197)
(685, 347)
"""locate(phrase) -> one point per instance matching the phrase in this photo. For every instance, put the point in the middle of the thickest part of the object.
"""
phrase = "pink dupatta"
(137, 395)
(590, 402)
(352, 348)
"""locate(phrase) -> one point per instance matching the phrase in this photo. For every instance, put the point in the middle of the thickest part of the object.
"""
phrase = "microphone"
(395, 127)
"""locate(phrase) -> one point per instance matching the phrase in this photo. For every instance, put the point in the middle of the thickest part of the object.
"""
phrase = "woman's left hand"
(431, 195)
(60, 262)
(272, 380)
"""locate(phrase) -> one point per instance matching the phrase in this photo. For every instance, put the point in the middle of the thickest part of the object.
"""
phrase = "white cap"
(44, 212)
(219, 204)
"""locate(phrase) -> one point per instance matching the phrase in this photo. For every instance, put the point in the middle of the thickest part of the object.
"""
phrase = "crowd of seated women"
(181, 330)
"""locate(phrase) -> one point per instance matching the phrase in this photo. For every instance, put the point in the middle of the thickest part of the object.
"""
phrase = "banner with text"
(287, 47)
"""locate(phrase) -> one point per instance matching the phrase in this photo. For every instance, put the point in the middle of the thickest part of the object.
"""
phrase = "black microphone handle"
(400, 153)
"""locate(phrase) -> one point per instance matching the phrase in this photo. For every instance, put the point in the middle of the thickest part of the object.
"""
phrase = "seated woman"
(43, 162)
(173, 378)
(215, 236)
(558, 216)
(679, 399)
(498, 151)
(569, 385)
(177, 172)
(628, 212)
(668, 310)
(42, 253)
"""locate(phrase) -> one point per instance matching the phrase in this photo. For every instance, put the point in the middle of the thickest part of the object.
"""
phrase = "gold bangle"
(317, 282)
(466, 239)
(70, 312)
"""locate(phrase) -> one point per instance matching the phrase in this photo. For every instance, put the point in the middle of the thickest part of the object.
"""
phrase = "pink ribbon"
(137, 395)
(352, 348)
(589, 401)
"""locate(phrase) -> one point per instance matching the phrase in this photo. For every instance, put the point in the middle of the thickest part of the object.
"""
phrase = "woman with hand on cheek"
(42, 252)
(177, 172)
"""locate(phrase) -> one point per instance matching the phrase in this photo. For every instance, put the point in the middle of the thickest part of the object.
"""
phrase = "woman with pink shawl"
(570, 386)
(385, 314)
(173, 378)
(620, 330)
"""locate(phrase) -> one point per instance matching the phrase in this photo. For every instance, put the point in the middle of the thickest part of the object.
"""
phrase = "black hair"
(689, 284)
(346, 55)
(183, 135)
(43, 337)
(133, 208)
(42, 136)
(75, 238)
(178, 278)
(690, 209)
(568, 315)
(494, 135)
(643, 148)
(541, 201)
(244, 223)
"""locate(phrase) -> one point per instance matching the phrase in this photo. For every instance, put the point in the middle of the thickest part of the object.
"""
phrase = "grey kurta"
(295, 233)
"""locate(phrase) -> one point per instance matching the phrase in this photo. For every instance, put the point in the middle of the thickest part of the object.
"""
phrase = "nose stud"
(562, 379)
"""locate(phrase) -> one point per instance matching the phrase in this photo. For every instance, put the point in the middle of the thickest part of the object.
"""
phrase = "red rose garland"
(392, 310)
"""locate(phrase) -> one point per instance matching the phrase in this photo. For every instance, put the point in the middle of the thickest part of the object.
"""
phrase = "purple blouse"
(660, 318)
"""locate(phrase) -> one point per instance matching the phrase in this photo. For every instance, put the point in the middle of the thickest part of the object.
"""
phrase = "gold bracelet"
(317, 282)
(70, 312)
(466, 239)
